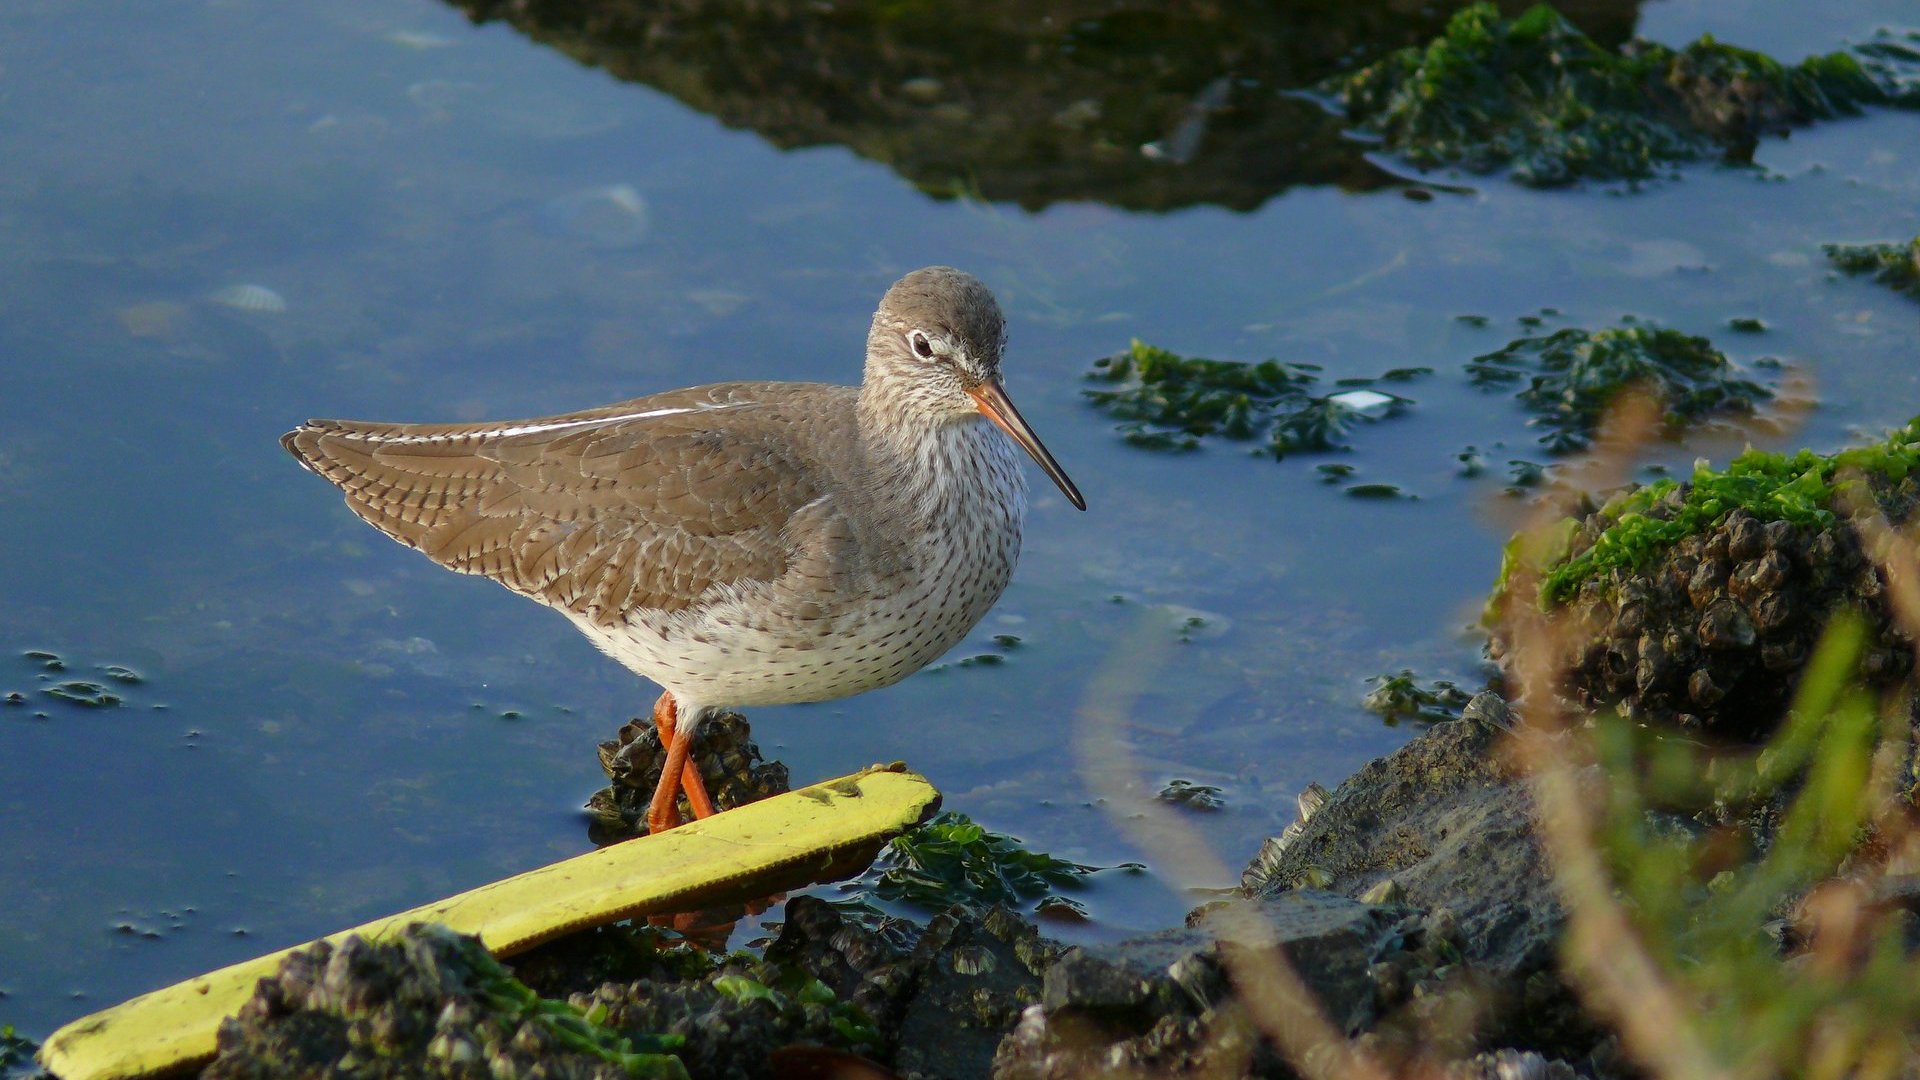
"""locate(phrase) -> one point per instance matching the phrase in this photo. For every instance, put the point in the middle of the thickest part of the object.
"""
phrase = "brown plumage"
(742, 543)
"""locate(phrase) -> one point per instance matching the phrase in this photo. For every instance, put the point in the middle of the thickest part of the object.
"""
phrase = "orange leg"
(676, 773)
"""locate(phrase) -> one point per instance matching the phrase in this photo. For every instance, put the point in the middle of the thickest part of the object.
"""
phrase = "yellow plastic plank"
(782, 843)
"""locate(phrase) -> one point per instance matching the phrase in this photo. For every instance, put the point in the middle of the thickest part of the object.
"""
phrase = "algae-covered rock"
(1895, 265)
(1398, 696)
(1573, 375)
(725, 754)
(1697, 602)
(1535, 94)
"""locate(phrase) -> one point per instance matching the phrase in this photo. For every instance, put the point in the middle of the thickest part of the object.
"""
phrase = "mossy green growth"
(1798, 487)
(1536, 94)
(951, 860)
(1844, 1000)
(1895, 265)
(1166, 401)
(1573, 375)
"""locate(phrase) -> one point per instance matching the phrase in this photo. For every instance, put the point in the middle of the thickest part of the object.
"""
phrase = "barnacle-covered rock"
(974, 977)
(428, 1003)
(725, 754)
(728, 1023)
(1697, 603)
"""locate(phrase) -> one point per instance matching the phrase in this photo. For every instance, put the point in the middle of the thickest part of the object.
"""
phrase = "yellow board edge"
(764, 847)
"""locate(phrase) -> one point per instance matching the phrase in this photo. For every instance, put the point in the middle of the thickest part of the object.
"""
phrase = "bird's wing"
(651, 503)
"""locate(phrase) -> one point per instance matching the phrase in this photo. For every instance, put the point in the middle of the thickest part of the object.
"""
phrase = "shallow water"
(462, 223)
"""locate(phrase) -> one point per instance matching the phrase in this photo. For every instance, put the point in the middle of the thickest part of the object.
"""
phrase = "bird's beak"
(991, 399)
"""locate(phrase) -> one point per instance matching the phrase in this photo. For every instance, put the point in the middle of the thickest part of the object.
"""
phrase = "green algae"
(952, 860)
(1573, 375)
(1535, 94)
(1895, 265)
(1166, 401)
(1799, 488)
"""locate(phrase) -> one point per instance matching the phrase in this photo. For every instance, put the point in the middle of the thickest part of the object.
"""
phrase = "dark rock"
(1164, 1003)
(1443, 818)
(1447, 823)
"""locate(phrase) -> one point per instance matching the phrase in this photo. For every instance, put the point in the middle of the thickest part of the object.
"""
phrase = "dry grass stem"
(1277, 1001)
(1610, 964)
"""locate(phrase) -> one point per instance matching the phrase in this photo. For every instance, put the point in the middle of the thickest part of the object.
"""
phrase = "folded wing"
(650, 503)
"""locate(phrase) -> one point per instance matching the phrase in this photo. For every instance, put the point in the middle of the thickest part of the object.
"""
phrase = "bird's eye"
(921, 345)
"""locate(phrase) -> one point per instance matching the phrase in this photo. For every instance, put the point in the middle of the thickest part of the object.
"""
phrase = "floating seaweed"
(1535, 94)
(1572, 375)
(1895, 265)
(951, 860)
(1166, 401)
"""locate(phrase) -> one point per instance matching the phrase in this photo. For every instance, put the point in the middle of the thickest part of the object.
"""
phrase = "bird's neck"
(936, 469)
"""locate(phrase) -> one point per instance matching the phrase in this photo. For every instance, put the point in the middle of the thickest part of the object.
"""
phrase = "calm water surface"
(464, 224)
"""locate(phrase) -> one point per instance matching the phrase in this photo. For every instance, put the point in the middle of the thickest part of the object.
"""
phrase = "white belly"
(752, 649)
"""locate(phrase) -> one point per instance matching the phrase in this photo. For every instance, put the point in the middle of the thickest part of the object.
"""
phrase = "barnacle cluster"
(1698, 602)
(725, 754)
(1536, 94)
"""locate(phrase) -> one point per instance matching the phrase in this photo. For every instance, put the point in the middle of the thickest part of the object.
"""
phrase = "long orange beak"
(994, 404)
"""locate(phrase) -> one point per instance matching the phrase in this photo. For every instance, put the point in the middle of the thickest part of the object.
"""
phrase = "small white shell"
(1365, 402)
(249, 298)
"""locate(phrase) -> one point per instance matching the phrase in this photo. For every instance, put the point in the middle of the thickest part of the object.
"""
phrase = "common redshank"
(745, 543)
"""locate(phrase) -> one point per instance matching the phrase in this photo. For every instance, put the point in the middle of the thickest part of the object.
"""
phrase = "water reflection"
(1031, 103)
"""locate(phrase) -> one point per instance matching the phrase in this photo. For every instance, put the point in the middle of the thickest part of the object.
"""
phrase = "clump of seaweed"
(1572, 375)
(1536, 94)
(1401, 696)
(1895, 265)
(952, 860)
(1166, 401)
